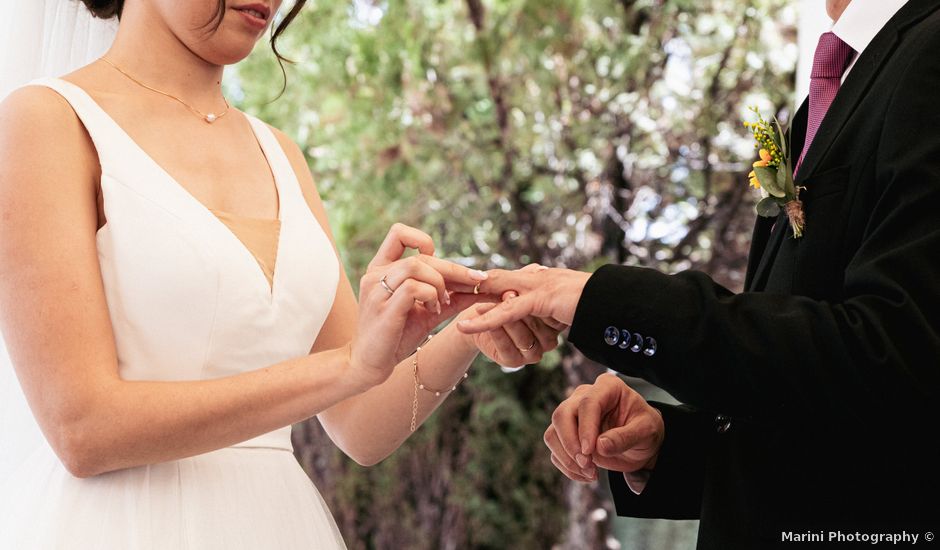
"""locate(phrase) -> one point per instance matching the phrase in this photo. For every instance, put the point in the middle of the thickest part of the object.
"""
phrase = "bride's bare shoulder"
(34, 108)
(37, 123)
(39, 108)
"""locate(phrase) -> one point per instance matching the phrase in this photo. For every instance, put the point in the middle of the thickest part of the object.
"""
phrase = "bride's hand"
(401, 300)
(517, 343)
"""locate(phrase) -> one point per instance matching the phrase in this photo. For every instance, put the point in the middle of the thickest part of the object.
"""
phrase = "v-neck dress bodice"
(192, 295)
(259, 235)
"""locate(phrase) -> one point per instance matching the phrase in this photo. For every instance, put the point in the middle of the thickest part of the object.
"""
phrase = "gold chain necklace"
(208, 117)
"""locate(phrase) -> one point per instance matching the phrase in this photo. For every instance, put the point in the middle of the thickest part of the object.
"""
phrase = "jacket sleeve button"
(650, 349)
(636, 344)
(624, 339)
(722, 423)
(612, 336)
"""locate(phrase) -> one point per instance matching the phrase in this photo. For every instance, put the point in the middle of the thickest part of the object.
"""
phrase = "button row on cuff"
(722, 423)
(635, 342)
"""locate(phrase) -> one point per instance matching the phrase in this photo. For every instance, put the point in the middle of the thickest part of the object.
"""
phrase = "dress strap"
(280, 164)
(104, 132)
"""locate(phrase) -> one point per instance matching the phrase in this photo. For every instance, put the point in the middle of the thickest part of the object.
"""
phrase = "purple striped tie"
(830, 62)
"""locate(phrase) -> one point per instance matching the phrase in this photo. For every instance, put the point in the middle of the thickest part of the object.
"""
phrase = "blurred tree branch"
(568, 132)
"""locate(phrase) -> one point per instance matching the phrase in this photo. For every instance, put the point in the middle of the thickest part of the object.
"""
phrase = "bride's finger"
(413, 268)
(459, 278)
(402, 301)
(400, 238)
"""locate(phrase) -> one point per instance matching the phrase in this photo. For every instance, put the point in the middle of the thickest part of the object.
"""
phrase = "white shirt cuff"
(637, 481)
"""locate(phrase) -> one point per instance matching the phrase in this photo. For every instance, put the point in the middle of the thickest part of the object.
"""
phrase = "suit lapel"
(858, 82)
(765, 243)
(759, 243)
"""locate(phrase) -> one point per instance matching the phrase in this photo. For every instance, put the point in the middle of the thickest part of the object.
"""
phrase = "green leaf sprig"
(773, 173)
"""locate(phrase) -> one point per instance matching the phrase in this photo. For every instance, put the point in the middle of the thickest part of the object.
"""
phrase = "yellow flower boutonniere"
(773, 174)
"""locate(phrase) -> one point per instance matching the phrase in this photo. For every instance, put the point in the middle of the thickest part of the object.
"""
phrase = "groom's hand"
(546, 293)
(605, 424)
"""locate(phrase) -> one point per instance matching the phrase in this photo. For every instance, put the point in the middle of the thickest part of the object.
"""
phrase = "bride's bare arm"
(368, 427)
(55, 321)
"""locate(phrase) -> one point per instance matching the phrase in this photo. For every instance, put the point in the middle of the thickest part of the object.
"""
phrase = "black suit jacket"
(811, 399)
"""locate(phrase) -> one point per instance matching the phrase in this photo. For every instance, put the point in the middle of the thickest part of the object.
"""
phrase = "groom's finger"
(548, 337)
(589, 423)
(501, 281)
(597, 404)
(563, 462)
(509, 354)
(618, 463)
(619, 440)
(565, 423)
(460, 301)
(507, 312)
(557, 326)
(569, 473)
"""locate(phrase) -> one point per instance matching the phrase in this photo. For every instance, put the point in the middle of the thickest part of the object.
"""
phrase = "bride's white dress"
(187, 301)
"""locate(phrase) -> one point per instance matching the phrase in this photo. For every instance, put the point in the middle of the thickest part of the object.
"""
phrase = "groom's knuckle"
(584, 404)
(650, 428)
(547, 437)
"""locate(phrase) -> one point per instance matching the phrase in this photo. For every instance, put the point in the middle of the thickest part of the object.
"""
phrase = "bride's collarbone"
(221, 164)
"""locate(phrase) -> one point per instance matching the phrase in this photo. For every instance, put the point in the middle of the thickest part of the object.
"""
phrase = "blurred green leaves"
(567, 132)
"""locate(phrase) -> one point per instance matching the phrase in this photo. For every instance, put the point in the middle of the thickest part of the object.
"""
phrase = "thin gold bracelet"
(420, 386)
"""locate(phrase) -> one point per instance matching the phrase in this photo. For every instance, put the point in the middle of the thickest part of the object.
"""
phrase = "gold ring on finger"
(384, 284)
(476, 288)
(530, 348)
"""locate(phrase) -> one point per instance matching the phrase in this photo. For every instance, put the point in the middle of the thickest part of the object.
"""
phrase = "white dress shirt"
(861, 21)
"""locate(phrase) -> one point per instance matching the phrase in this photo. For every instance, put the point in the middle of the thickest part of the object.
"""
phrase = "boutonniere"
(773, 174)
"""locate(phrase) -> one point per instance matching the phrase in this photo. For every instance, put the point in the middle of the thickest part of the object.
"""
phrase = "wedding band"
(476, 289)
(530, 348)
(385, 285)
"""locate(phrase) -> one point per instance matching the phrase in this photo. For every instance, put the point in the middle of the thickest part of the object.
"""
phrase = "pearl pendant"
(211, 117)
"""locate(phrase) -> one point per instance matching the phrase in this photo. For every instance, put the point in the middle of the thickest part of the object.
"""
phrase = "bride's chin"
(229, 54)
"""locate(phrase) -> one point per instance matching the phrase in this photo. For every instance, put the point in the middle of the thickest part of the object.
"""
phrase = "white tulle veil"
(48, 38)
(38, 38)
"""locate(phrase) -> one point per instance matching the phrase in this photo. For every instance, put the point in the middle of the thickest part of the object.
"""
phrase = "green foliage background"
(568, 132)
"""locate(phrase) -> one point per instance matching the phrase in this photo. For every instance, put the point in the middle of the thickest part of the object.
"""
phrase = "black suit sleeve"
(674, 490)
(869, 357)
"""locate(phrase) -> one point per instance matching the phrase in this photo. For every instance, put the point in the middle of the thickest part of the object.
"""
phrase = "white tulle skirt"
(231, 499)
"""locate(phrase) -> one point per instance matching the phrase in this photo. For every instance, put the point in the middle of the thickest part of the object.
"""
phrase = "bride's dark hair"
(107, 9)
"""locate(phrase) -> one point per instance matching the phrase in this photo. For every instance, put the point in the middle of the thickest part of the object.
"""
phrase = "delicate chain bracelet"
(420, 386)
